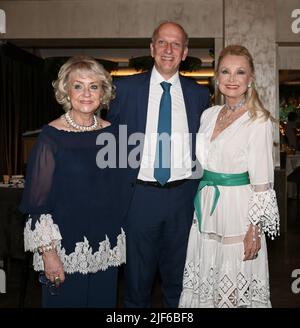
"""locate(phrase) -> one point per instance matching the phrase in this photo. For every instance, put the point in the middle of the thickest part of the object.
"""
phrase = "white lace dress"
(215, 274)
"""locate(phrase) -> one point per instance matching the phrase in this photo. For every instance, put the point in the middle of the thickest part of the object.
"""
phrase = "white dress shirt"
(180, 148)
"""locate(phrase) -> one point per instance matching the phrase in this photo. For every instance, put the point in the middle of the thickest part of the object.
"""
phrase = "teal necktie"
(162, 166)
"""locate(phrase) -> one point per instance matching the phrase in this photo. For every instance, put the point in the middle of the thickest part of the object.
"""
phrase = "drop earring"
(249, 85)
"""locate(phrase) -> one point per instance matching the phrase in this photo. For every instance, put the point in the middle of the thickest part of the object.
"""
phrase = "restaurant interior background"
(38, 38)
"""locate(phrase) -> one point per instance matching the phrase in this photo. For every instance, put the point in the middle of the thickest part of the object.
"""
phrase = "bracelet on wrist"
(46, 248)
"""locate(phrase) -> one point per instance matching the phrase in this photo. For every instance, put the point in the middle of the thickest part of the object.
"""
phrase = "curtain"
(27, 100)
(25, 103)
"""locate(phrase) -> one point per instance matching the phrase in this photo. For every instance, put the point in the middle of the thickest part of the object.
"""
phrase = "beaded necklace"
(80, 128)
(237, 106)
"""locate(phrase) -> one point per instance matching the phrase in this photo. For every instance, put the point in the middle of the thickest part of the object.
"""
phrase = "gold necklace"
(224, 120)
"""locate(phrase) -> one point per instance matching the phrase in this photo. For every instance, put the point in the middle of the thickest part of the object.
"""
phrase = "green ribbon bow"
(214, 179)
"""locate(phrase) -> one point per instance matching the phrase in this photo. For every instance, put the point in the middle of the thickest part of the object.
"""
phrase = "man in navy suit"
(160, 214)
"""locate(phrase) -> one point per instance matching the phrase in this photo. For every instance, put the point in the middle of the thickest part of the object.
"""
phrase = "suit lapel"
(191, 114)
(190, 109)
(142, 101)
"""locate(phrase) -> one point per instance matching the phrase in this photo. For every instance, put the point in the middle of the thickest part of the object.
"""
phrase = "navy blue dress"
(64, 181)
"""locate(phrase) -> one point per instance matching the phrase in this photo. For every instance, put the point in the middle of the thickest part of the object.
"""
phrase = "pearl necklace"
(237, 106)
(80, 128)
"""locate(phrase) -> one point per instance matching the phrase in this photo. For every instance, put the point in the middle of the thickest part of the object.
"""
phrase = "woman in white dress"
(235, 205)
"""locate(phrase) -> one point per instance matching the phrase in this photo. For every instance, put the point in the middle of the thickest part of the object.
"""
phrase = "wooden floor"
(284, 258)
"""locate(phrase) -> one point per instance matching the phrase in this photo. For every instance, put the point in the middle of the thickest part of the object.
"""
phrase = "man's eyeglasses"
(52, 287)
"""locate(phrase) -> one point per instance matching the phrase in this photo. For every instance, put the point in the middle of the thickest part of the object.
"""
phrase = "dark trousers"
(157, 231)
(92, 290)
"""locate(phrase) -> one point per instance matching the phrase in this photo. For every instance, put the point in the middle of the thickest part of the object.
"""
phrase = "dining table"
(11, 227)
(292, 161)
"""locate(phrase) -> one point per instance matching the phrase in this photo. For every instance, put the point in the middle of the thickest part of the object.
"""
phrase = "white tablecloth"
(4, 185)
(292, 161)
(2, 281)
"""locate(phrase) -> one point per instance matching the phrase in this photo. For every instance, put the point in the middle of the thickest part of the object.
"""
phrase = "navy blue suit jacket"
(131, 103)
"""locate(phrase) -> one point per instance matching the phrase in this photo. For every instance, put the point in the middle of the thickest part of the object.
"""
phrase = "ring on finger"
(57, 281)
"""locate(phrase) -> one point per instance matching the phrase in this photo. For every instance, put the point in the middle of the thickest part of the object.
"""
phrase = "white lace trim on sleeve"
(45, 232)
(83, 260)
(263, 209)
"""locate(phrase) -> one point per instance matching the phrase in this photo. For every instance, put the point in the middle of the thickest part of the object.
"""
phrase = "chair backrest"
(294, 176)
(11, 224)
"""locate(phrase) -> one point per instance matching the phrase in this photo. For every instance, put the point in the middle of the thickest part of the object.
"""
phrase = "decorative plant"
(190, 64)
(145, 63)
(212, 55)
(284, 110)
(108, 64)
(53, 64)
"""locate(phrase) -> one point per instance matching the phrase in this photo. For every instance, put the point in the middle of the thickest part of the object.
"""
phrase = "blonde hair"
(254, 104)
(81, 63)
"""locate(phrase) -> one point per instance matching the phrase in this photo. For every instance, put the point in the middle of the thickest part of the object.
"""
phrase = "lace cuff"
(84, 261)
(263, 209)
(45, 233)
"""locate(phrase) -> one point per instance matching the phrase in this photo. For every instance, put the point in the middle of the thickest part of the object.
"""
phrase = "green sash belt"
(215, 179)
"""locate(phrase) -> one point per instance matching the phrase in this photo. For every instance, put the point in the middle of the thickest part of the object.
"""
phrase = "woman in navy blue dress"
(74, 225)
